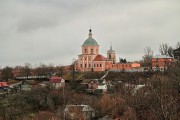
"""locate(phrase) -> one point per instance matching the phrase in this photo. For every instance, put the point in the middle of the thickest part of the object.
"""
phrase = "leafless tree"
(163, 48)
(6, 73)
(26, 70)
(148, 54)
(170, 51)
(178, 45)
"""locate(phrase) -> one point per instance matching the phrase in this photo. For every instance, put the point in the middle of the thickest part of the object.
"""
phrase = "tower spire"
(90, 34)
(111, 46)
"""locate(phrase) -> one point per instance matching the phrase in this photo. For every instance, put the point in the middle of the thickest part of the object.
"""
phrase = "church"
(91, 60)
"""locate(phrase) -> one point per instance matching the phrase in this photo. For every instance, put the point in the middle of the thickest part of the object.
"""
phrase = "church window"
(91, 51)
(109, 56)
(85, 50)
(99, 65)
(85, 65)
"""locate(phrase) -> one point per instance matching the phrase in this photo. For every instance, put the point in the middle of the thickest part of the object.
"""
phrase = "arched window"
(85, 50)
(109, 56)
(91, 51)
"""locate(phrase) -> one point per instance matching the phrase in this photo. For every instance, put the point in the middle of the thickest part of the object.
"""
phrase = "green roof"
(90, 42)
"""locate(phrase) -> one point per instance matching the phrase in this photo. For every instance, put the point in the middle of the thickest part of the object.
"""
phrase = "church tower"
(111, 56)
(90, 49)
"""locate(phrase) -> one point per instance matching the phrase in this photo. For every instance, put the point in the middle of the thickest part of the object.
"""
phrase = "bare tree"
(164, 48)
(178, 45)
(148, 54)
(6, 73)
(170, 51)
(26, 70)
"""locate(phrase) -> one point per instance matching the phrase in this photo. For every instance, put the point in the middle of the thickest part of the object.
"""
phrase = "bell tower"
(111, 56)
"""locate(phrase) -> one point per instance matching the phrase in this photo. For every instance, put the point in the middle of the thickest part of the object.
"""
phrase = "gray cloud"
(52, 31)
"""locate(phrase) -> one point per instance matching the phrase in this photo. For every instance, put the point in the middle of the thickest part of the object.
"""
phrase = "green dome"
(90, 42)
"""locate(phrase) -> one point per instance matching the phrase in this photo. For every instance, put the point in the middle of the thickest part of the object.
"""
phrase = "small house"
(4, 86)
(95, 84)
(77, 112)
(25, 86)
(57, 82)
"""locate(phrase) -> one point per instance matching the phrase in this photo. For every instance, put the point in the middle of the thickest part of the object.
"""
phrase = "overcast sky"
(52, 31)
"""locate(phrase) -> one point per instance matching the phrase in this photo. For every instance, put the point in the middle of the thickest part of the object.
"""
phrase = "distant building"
(92, 60)
(57, 82)
(4, 85)
(95, 84)
(79, 112)
(162, 62)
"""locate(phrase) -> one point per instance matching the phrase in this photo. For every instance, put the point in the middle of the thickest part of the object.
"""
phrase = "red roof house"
(57, 82)
(4, 84)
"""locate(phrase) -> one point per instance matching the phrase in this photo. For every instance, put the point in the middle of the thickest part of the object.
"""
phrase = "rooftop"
(99, 58)
(90, 41)
(162, 56)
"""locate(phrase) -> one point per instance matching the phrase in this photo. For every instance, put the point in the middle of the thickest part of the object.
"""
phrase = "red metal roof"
(55, 79)
(99, 58)
(3, 84)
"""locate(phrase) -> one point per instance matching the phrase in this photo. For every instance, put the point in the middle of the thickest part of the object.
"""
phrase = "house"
(4, 86)
(77, 112)
(44, 84)
(95, 84)
(4, 89)
(136, 88)
(57, 82)
(162, 62)
(24, 86)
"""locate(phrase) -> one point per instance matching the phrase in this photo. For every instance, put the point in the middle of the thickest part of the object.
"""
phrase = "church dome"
(90, 41)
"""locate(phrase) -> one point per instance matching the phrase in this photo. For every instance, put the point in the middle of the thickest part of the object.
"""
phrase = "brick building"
(162, 62)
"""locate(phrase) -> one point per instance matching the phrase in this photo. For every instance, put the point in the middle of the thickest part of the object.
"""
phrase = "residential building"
(162, 62)
(95, 84)
(79, 112)
(57, 82)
